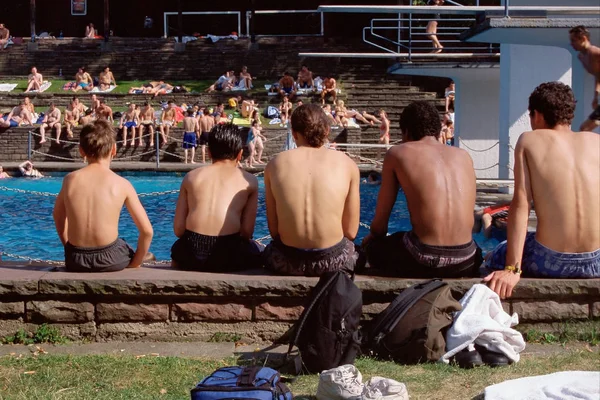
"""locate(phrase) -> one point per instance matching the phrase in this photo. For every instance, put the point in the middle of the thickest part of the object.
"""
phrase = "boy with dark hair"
(87, 209)
(216, 210)
(558, 169)
(439, 184)
(589, 55)
(313, 217)
(191, 131)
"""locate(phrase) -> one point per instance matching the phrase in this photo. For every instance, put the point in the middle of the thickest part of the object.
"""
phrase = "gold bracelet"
(515, 269)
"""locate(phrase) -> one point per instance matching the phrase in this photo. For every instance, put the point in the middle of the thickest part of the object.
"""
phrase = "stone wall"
(157, 303)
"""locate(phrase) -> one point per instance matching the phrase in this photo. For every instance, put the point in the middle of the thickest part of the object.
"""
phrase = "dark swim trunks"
(204, 138)
(287, 260)
(288, 90)
(229, 253)
(595, 116)
(114, 257)
(402, 254)
(189, 140)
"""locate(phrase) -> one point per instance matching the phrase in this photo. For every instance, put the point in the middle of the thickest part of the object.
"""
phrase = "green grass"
(43, 334)
(131, 378)
(582, 331)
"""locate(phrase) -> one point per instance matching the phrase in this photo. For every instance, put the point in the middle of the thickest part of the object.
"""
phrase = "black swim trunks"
(204, 138)
(114, 257)
(230, 253)
(595, 116)
(286, 260)
(402, 254)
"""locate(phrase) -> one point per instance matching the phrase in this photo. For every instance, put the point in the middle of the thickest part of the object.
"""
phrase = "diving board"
(402, 55)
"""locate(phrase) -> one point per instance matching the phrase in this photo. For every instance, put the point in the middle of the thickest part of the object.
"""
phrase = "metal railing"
(276, 12)
(238, 13)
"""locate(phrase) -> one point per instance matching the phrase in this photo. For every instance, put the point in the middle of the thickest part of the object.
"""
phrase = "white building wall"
(522, 68)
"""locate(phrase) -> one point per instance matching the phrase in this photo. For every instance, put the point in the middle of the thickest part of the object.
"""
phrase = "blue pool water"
(28, 228)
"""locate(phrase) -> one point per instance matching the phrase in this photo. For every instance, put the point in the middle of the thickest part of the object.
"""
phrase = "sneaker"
(378, 388)
(341, 383)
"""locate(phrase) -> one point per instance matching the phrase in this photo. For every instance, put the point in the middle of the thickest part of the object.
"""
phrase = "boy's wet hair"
(225, 142)
(310, 122)
(420, 119)
(579, 32)
(97, 139)
(555, 101)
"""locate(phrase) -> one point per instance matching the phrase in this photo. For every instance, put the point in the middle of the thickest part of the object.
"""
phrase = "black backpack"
(327, 332)
(412, 328)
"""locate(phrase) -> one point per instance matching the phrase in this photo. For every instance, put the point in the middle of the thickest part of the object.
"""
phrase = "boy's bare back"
(311, 189)
(218, 200)
(93, 198)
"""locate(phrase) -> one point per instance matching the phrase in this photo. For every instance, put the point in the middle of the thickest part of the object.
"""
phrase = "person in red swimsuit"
(494, 216)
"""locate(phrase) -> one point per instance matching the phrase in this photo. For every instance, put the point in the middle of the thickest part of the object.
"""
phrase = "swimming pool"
(28, 228)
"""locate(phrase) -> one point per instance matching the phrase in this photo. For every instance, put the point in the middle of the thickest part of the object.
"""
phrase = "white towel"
(352, 123)
(568, 385)
(96, 89)
(43, 88)
(7, 87)
(483, 321)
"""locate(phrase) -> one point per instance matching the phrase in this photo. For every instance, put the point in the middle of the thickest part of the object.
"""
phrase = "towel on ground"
(45, 86)
(69, 85)
(483, 321)
(96, 89)
(7, 87)
(215, 38)
(352, 123)
(186, 39)
(568, 385)
(241, 121)
(9, 42)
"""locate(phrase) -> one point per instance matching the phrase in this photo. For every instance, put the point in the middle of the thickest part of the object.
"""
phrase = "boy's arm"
(60, 214)
(140, 218)
(351, 215)
(181, 211)
(272, 221)
(503, 282)
(249, 214)
(386, 198)
(22, 166)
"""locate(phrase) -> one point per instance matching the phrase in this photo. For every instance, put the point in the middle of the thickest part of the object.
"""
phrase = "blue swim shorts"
(130, 124)
(540, 261)
(83, 84)
(189, 140)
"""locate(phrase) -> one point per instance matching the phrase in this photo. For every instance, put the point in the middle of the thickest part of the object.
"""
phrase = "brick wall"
(158, 303)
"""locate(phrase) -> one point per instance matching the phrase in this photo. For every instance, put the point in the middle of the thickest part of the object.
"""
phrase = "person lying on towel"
(313, 202)
(216, 210)
(439, 184)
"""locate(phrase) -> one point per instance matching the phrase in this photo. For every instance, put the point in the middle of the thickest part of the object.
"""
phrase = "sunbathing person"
(287, 86)
(4, 36)
(83, 80)
(342, 111)
(245, 78)
(34, 80)
(129, 120)
(106, 79)
(247, 107)
(72, 119)
(29, 105)
(439, 184)
(146, 119)
(330, 115)
(305, 78)
(87, 118)
(90, 31)
(329, 89)
(216, 211)
(167, 120)
(51, 121)
(161, 89)
(224, 83)
(22, 115)
(104, 112)
(88, 206)
(312, 216)
(557, 169)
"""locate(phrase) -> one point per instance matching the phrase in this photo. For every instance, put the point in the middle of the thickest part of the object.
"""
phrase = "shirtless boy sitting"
(216, 210)
(4, 35)
(51, 121)
(439, 184)
(105, 79)
(557, 170)
(329, 89)
(305, 78)
(34, 80)
(313, 217)
(146, 118)
(167, 120)
(87, 209)
(72, 118)
(287, 86)
(83, 80)
(129, 120)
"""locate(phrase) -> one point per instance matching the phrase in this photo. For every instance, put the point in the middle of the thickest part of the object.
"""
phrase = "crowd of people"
(313, 217)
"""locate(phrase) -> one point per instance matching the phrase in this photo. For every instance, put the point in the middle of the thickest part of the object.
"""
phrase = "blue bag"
(251, 383)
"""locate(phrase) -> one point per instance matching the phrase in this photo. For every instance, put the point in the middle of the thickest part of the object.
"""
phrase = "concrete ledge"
(159, 303)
